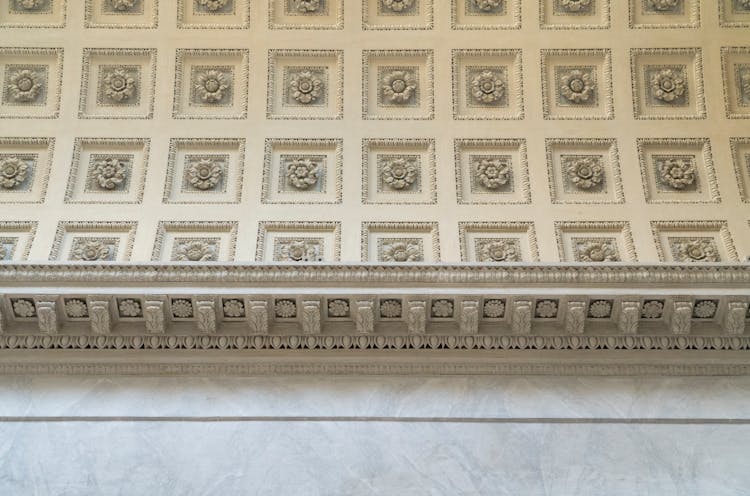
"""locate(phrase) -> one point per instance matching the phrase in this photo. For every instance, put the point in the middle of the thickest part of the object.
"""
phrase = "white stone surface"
(587, 436)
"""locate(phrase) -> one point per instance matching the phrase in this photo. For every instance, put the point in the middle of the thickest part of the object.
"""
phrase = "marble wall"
(374, 436)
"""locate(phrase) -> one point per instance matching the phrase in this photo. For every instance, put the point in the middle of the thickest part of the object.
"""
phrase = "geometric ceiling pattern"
(390, 130)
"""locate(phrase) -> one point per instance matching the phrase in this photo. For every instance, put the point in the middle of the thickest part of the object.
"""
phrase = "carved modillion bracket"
(153, 314)
(99, 313)
(521, 317)
(46, 311)
(681, 317)
(364, 316)
(257, 317)
(311, 317)
(416, 317)
(734, 320)
(205, 316)
(575, 317)
(630, 315)
(469, 317)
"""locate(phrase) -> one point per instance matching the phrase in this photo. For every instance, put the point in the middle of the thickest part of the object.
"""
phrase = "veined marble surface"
(590, 436)
(372, 458)
(484, 397)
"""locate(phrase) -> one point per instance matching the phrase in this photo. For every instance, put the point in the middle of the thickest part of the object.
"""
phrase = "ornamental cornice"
(713, 274)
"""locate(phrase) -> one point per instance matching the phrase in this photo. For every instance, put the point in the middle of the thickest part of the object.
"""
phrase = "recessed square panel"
(306, 14)
(736, 68)
(693, 241)
(667, 83)
(211, 84)
(491, 171)
(212, 14)
(397, 84)
(31, 79)
(195, 242)
(584, 171)
(574, 14)
(664, 13)
(397, 14)
(205, 170)
(93, 241)
(16, 238)
(398, 171)
(305, 84)
(678, 170)
(108, 170)
(124, 14)
(400, 242)
(297, 242)
(118, 84)
(498, 242)
(302, 171)
(24, 169)
(486, 14)
(734, 13)
(577, 84)
(595, 242)
(32, 13)
(487, 84)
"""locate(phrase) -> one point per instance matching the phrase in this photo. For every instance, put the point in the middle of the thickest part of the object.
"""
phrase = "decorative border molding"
(23, 227)
(143, 143)
(635, 77)
(723, 18)
(606, 96)
(60, 55)
(615, 227)
(244, 14)
(323, 27)
(89, 16)
(726, 75)
(190, 226)
(734, 145)
(64, 227)
(614, 160)
(338, 97)
(430, 78)
(401, 227)
(720, 227)
(694, 13)
(523, 176)
(705, 146)
(526, 228)
(174, 144)
(606, 16)
(517, 81)
(116, 52)
(241, 90)
(427, 144)
(516, 16)
(312, 226)
(268, 168)
(428, 18)
(38, 25)
(50, 144)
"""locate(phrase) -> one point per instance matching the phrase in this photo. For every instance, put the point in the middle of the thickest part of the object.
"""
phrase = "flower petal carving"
(13, 172)
(25, 85)
(399, 86)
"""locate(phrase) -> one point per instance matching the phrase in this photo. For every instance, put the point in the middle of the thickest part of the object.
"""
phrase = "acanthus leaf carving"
(99, 314)
(630, 313)
(46, 311)
(575, 318)
(205, 316)
(416, 317)
(364, 316)
(681, 318)
(311, 317)
(153, 315)
(521, 317)
(734, 320)
(469, 317)
(257, 317)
